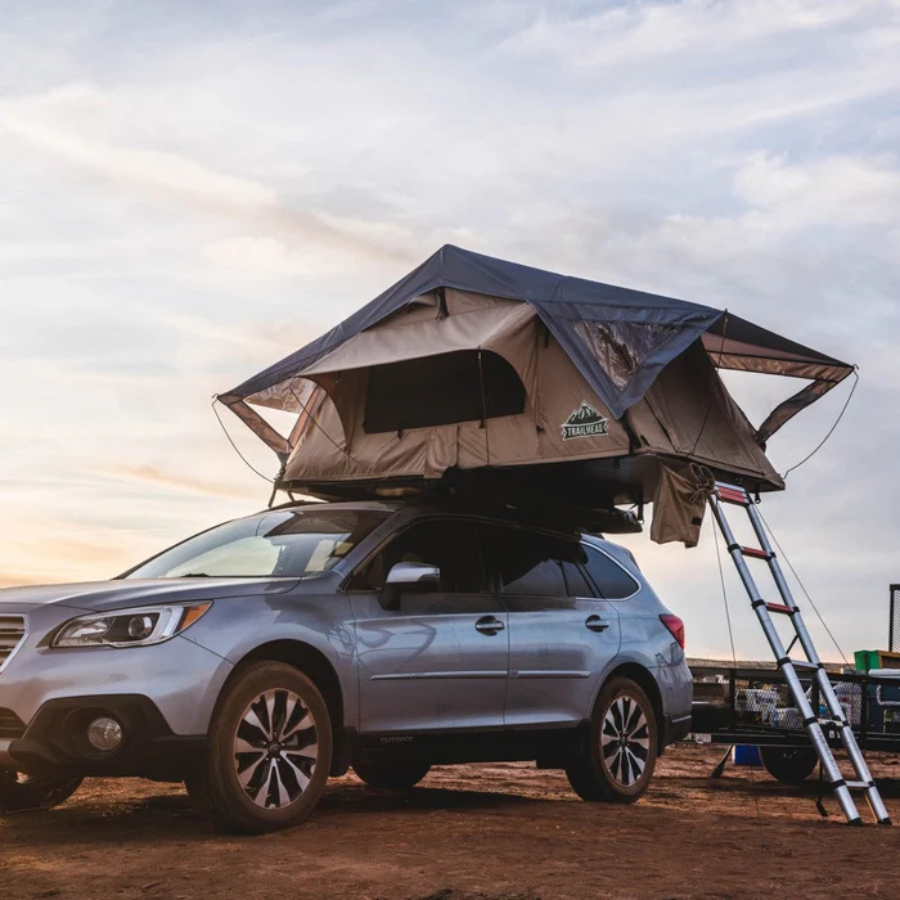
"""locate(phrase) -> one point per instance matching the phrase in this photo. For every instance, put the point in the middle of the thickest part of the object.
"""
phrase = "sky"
(191, 190)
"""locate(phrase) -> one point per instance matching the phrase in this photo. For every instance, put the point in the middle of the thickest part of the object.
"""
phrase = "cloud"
(152, 172)
(78, 554)
(639, 32)
(173, 178)
(264, 257)
(835, 190)
(149, 475)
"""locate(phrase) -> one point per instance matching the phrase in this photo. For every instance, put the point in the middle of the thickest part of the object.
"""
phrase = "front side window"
(297, 543)
(450, 544)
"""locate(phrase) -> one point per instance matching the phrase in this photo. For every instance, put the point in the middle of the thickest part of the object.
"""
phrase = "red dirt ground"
(495, 832)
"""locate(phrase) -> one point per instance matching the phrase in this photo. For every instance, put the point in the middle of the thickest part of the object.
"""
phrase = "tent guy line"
(831, 430)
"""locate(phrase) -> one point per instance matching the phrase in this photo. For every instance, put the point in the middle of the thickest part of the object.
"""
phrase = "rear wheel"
(20, 792)
(393, 776)
(269, 752)
(792, 765)
(615, 760)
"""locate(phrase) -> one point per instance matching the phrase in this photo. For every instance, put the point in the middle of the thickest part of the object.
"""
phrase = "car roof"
(374, 505)
(490, 513)
(434, 506)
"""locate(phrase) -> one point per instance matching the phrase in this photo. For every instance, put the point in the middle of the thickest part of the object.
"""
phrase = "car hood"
(122, 593)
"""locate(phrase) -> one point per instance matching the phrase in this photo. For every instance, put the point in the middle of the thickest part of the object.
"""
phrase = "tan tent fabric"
(336, 446)
(688, 411)
(409, 337)
(679, 503)
(254, 421)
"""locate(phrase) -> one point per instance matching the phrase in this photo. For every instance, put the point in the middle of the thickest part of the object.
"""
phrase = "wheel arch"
(315, 665)
(644, 679)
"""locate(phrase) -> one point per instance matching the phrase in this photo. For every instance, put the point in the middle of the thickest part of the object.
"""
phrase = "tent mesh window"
(622, 348)
(894, 636)
(442, 390)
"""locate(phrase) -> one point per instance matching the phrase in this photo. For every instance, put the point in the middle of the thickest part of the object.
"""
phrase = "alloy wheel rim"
(625, 741)
(275, 749)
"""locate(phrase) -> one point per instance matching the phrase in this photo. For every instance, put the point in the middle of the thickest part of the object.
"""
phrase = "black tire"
(20, 792)
(614, 761)
(792, 765)
(261, 770)
(393, 776)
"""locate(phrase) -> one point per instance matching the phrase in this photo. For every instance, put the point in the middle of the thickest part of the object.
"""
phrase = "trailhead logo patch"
(585, 422)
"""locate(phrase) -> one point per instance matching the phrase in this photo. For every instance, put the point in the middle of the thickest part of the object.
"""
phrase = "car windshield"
(295, 543)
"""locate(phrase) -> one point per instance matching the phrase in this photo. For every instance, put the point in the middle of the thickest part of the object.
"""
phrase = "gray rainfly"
(472, 430)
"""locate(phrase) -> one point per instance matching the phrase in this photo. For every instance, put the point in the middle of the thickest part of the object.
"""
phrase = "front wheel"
(614, 762)
(20, 792)
(397, 776)
(269, 752)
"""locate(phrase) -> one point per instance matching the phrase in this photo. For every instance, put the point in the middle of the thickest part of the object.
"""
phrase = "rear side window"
(535, 578)
(611, 580)
(534, 565)
(576, 581)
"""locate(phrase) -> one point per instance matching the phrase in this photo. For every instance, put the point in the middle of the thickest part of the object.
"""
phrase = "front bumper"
(55, 740)
(162, 695)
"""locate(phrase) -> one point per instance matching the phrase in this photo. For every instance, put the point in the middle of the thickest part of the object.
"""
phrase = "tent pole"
(487, 442)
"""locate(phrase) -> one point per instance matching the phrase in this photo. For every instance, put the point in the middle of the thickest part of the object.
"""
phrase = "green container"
(876, 659)
(866, 659)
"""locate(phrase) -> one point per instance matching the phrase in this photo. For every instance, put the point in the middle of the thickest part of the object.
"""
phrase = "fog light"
(104, 734)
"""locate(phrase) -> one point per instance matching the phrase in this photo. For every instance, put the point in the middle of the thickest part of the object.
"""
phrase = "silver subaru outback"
(256, 659)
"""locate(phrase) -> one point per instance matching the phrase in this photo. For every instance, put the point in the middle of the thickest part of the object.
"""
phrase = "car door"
(562, 637)
(439, 661)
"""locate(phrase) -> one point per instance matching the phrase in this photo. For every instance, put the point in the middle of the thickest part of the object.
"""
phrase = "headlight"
(129, 627)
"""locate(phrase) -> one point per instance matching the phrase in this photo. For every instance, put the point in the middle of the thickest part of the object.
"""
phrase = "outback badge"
(584, 422)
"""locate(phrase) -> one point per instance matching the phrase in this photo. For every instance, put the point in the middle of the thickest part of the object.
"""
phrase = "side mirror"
(408, 576)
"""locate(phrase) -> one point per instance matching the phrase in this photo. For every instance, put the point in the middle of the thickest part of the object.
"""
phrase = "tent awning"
(736, 344)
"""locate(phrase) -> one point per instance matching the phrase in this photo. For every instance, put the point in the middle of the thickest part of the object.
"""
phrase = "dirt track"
(467, 833)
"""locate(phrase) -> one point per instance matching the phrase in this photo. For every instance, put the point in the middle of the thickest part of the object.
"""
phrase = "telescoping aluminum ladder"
(814, 724)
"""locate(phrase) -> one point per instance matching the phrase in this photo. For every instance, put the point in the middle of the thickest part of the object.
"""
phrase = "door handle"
(489, 625)
(595, 623)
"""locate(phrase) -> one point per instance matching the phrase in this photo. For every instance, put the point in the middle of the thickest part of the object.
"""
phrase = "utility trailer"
(750, 705)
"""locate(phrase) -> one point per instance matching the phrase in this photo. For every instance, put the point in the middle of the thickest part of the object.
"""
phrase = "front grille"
(11, 726)
(12, 633)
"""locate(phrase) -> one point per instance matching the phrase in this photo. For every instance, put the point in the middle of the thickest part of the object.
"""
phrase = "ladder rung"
(780, 608)
(858, 785)
(802, 664)
(732, 495)
(755, 553)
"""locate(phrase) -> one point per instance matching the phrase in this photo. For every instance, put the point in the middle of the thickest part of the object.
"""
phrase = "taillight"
(675, 626)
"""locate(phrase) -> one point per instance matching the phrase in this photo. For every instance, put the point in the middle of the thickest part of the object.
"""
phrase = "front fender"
(325, 623)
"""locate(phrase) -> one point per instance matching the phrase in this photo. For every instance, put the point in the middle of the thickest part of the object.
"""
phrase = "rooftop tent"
(553, 384)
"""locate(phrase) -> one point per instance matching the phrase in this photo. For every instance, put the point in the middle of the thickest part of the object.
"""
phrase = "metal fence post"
(894, 625)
